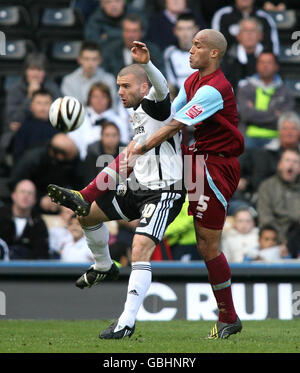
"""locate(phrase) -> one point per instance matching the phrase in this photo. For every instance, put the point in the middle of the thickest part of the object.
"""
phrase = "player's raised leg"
(97, 236)
(138, 285)
(80, 201)
(209, 244)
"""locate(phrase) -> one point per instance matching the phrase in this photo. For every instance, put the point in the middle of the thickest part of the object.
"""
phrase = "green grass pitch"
(175, 336)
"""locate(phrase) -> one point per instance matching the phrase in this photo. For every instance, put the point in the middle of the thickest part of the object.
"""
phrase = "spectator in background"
(77, 249)
(21, 228)
(261, 99)
(259, 164)
(269, 249)
(240, 61)
(263, 162)
(89, 72)
(36, 129)
(4, 250)
(177, 56)
(120, 49)
(242, 239)
(104, 25)
(59, 235)
(227, 21)
(20, 94)
(278, 201)
(161, 25)
(98, 110)
(109, 144)
(58, 162)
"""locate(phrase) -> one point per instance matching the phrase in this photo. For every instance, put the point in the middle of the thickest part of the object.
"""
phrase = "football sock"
(220, 280)
(97, 240)
(138, 285)
(106, 180)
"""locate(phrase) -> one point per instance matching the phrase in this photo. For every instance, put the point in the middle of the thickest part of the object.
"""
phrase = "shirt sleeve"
(206, 102)
(180, 100)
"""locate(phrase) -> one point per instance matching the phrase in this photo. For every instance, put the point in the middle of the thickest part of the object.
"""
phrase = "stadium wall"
(46, 290)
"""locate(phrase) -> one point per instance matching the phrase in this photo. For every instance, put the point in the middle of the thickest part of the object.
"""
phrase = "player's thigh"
(142, 248)
(95, 216)
(208, 241)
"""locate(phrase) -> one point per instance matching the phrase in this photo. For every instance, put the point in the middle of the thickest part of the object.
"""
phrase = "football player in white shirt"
(154, 196)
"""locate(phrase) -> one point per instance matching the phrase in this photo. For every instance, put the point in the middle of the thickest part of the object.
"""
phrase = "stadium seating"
(57, 23)
(15, 22)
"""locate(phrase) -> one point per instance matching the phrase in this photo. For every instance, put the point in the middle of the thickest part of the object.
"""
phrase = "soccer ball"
(66, 114)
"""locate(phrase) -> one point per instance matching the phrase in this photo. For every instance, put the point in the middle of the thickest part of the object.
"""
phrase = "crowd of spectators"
(264, 214)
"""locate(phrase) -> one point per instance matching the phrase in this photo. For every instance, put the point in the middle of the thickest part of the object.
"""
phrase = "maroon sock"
(220, 279)
(106, 180)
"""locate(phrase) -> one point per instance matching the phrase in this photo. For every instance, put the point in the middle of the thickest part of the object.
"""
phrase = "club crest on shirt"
(194, 111)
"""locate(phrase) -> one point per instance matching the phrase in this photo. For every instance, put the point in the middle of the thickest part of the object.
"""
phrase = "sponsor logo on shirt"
(194, 111)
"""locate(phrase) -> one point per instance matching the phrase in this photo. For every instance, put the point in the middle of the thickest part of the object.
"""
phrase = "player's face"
(199, 54)
(130, 90)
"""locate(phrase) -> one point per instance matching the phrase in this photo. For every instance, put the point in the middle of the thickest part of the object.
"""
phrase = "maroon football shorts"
(211, 180)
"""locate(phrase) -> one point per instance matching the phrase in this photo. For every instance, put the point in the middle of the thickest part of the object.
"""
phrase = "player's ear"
(145, 88)
(215, 53)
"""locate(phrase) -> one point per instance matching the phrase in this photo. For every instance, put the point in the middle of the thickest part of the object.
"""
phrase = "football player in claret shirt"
(207, 102)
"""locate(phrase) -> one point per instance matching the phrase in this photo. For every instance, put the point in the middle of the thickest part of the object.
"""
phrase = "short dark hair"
(36, 61)
(134, 18)
(107, 123)
(269, 51)
(89, 45)
(41, 92)
(186, 17)
(267, 227)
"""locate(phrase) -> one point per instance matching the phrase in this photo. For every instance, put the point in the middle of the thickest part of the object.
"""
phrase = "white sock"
(97, 240)
(138, 285)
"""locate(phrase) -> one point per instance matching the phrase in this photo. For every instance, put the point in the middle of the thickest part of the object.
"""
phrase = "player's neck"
(207, 71)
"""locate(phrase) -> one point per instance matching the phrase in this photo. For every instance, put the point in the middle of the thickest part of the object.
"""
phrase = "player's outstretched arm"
(141, 55)
(164, 133)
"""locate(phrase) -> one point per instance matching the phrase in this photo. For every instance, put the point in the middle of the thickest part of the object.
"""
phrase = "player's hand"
(140, 52)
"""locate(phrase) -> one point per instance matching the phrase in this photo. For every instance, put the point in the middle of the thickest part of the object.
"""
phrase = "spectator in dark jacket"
(161, 25)
(108, 145)
(120, 49)
(240, 60)
(20, 94)
(24, 232)
(104, 25)
(57, 163)
(227, 18)
(36, 129)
